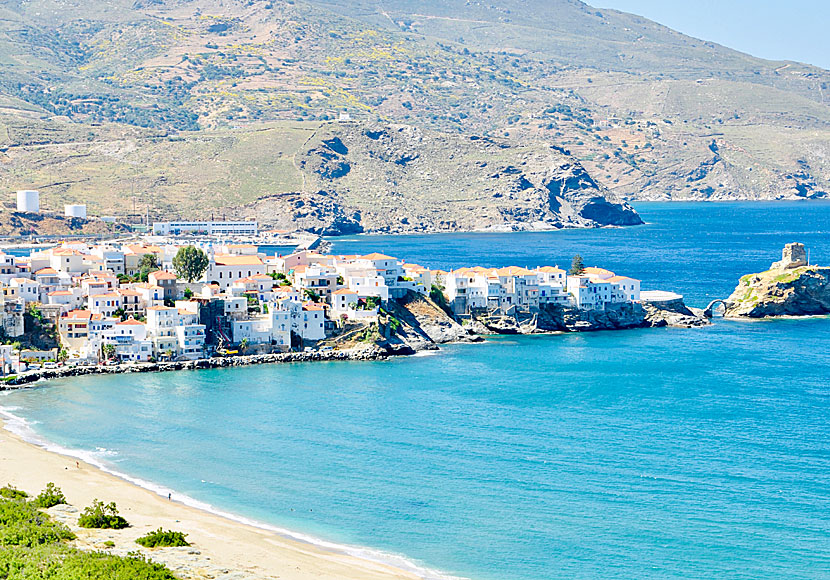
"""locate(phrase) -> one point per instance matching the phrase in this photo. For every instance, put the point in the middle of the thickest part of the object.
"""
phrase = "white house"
(191, 341)
(68, 299)
(161, 330)
(105, 304)
(272, 327)
(630, 287)
(28, 290)
(130, 340)
(225, 269)
(67, 260)
(312, 324)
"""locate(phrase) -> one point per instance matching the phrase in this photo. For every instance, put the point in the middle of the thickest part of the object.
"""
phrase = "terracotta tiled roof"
(227, 260)
(78, 314)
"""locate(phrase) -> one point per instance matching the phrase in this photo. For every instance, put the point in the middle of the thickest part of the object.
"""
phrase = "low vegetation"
(24, 525)
(11, 492)
(103, 516)
(34, 547)
(49, 497)
(163, 539)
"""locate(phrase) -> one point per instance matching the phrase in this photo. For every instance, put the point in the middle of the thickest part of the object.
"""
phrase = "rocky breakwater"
(359, 353)
(791, 287)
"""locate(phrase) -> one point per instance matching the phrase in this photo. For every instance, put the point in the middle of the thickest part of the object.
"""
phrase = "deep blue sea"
(665, 453)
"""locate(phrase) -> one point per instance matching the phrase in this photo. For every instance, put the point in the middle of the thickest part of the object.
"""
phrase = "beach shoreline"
(223, 545)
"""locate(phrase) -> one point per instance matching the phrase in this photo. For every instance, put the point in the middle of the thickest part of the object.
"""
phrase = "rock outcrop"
(623, 316)
(789, 288)
(803, 291)
(424, 321)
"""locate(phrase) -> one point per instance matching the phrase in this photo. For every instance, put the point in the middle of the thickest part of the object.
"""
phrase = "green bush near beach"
(11, 492)
(22, 524)
(49, 497)
(33, 547)
(102, 516)
(61, 562)
(161, 539)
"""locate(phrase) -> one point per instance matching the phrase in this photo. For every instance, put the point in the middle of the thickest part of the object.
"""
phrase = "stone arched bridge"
(709, 311)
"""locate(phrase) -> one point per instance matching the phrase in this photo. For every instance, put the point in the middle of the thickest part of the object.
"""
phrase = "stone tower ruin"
(793, 256)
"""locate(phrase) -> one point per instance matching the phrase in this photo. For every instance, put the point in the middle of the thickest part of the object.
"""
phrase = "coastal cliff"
(623, 316)
(790, 287)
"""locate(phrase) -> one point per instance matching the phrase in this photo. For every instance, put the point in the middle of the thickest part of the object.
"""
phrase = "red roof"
(78, 314)
(129, 322)
(163, 275)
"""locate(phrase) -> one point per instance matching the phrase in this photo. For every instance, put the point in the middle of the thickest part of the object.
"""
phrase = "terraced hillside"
(209, 106)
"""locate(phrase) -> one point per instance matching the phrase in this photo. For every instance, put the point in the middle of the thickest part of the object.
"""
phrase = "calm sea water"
(642, 454)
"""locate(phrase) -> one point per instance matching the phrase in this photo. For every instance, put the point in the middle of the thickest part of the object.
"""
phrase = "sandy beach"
(221, 548)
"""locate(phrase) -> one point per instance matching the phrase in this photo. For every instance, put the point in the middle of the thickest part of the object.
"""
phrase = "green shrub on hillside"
(49, 497)
(60, 562)
(22, 524)
(11, 492)
(31, 548)
(161, 539)
(103, 516)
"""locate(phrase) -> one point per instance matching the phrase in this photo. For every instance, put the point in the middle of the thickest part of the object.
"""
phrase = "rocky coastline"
(370, 352)
(790, 288)
(415, 324)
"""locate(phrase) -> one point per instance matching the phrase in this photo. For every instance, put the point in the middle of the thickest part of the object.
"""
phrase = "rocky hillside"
(398, 178)
(198, 107)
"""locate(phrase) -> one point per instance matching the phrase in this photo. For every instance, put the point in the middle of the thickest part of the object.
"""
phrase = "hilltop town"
(129, 303)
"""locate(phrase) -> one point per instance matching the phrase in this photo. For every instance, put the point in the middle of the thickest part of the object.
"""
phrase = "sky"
(774, 29)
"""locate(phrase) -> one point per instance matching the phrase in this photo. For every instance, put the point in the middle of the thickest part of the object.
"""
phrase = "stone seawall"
(363, 354)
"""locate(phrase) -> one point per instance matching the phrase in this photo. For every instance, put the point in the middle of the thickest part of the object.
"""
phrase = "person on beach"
(169, 496)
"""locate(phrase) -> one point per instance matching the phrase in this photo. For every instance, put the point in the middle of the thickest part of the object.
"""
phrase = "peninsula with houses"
(182, 301)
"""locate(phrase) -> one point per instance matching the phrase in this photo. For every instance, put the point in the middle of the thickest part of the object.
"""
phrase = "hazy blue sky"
(775, 29)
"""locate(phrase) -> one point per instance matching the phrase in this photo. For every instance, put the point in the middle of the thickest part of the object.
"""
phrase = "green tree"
(108, 351)
(148, 263)
(63, 354)
(577, 266)
(188, 293)
(190, 263)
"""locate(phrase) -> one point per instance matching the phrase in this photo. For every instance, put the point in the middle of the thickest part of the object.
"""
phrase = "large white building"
(208, 228)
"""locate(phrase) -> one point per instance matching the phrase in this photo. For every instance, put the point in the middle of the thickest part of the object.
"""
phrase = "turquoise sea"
(666, 453)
